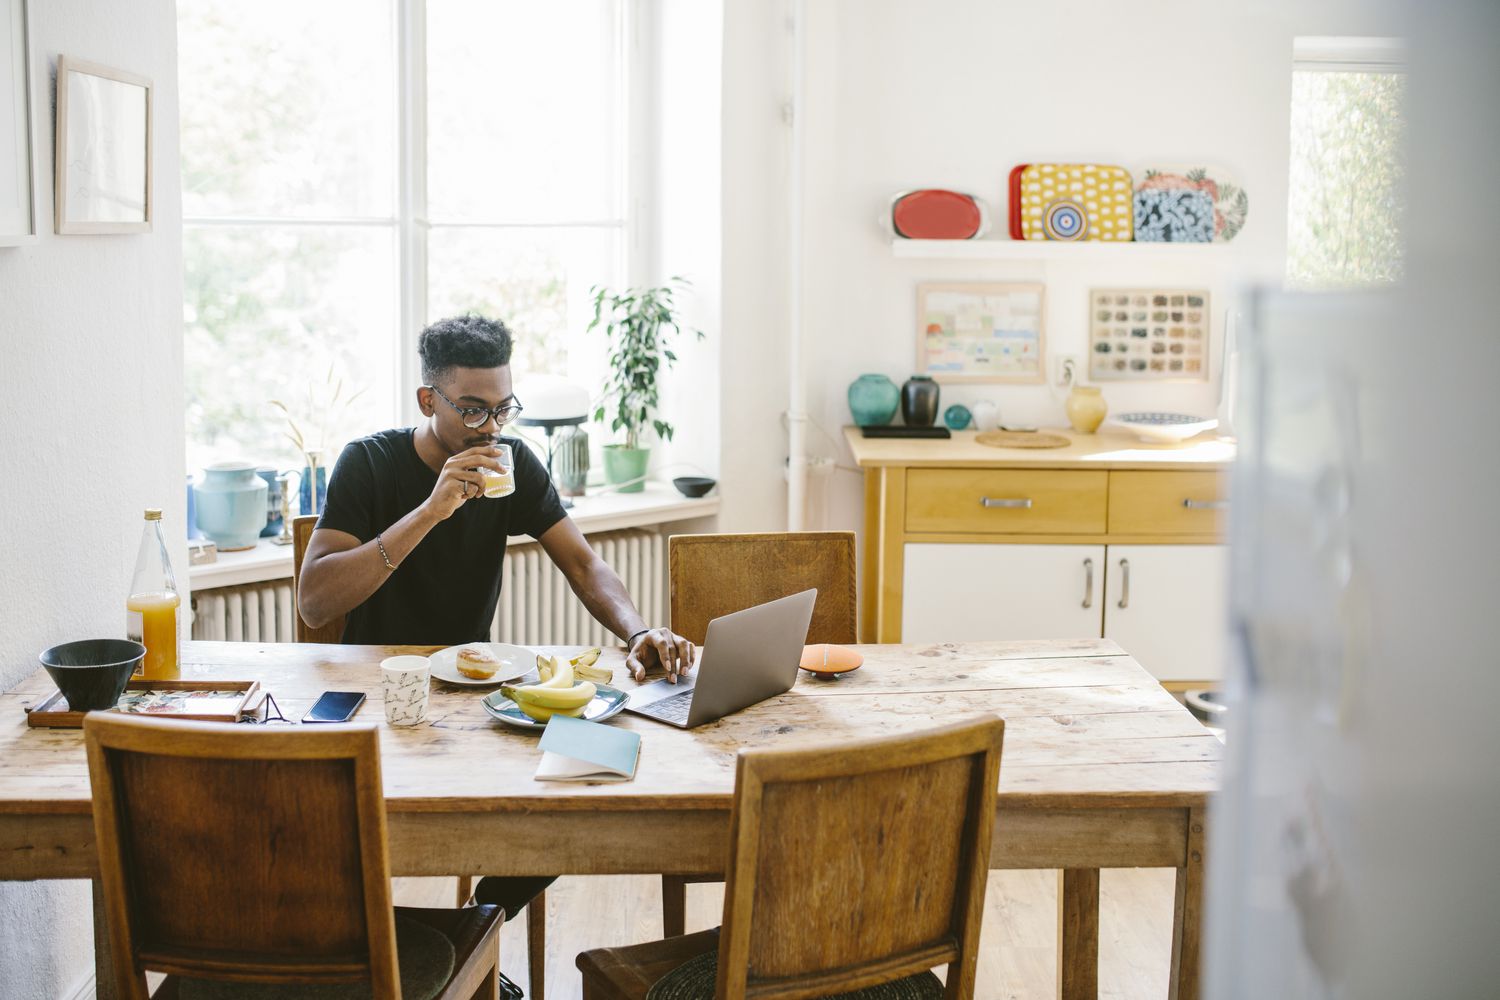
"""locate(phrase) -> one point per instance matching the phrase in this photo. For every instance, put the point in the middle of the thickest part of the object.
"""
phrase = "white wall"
(953, 94)
(89, 325)
(686, 70)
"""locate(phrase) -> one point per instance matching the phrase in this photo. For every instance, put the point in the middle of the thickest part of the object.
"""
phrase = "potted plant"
(640, 324)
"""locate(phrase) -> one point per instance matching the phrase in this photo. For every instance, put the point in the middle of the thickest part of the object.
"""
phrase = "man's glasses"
(477, 416)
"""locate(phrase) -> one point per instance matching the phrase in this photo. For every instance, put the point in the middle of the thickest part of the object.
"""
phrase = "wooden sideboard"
(1109, 537)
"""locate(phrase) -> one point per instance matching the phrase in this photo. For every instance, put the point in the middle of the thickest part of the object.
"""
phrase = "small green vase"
(622, 464)
(873, 400)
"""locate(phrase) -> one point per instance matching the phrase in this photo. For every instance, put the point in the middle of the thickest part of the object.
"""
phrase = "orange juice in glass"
(500, 484)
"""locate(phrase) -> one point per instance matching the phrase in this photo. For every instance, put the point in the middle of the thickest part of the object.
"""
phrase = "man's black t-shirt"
(445, 590)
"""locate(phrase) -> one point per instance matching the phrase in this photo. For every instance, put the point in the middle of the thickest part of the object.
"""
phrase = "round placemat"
(1021, 439)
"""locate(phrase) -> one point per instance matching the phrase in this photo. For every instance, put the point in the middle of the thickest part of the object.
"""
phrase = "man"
(411, 551)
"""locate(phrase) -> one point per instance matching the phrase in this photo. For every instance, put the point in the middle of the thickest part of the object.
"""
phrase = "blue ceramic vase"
(873, 400)
(231, 505)
(273, 502)
(306, 490)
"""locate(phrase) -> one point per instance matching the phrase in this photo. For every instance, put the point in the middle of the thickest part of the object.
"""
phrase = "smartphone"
(335, 706)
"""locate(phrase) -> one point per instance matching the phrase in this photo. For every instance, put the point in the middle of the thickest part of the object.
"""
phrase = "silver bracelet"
(381, 546)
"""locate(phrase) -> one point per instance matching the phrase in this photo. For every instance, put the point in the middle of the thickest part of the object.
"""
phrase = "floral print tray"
(201, 701)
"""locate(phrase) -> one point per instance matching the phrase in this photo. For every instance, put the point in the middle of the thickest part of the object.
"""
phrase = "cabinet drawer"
(1168, 503)
(1004, 501)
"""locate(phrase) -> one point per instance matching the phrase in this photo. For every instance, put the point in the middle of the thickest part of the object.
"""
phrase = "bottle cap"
(153, 513)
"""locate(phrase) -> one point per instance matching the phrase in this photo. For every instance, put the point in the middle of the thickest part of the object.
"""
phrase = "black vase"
(919, 401)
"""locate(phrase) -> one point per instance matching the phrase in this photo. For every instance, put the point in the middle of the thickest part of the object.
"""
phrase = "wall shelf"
(1034, 250)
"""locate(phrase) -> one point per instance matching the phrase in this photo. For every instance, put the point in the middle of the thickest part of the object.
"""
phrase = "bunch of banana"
(583, 667)
(559, 693)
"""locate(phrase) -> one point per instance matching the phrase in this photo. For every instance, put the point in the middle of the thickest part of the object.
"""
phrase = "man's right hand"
(460, 480)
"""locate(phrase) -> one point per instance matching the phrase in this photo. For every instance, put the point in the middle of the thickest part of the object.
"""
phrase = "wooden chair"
(333, 632)
(849, 866)
(714, 575)
(231, 855)
(302, 529)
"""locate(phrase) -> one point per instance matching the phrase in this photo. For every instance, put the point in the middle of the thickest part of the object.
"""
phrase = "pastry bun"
(477, 663)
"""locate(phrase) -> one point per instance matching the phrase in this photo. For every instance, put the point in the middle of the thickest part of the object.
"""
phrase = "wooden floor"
(1017, 959)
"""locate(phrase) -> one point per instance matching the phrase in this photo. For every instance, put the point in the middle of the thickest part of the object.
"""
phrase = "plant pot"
(622, 464)
(231, 504)
(873, 400)
(919, 401)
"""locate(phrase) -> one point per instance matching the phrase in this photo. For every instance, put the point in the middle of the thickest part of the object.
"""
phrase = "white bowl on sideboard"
(1160, 427)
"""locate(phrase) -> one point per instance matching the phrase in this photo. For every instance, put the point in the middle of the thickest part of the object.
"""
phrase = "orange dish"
(826, 658)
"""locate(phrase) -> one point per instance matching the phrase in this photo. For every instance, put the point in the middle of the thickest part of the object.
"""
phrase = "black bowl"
(694, 486)
(92, 673)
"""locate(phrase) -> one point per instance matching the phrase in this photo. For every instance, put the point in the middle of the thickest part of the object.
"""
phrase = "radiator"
(253, 612)
(537, 607)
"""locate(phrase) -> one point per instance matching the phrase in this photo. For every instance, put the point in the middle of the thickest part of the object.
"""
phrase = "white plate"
(514, 661)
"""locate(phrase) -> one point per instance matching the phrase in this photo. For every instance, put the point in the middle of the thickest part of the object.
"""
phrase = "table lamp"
(552, 402)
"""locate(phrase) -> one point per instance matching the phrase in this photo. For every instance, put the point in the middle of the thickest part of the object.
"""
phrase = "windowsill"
(659, 503)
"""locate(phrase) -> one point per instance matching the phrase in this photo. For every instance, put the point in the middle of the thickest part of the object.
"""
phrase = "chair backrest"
(714, 575)
(238, 852)
(858, 864)
(302, 529)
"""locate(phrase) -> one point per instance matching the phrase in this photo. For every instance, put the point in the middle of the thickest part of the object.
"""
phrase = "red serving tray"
(1015, 201)
(935, 214)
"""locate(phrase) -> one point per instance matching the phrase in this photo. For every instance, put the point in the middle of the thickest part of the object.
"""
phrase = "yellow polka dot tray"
(1076, 201)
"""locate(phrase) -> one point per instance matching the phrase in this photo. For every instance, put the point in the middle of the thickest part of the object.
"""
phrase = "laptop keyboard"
(673, 709)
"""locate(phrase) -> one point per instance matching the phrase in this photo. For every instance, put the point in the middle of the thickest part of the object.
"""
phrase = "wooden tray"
(1021, 439)
(53, 711)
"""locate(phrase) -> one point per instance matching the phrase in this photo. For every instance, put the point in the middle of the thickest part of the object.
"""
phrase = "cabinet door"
(962, 593)
(1167, 606)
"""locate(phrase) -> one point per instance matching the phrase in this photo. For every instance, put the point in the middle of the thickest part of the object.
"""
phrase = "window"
(295, 154)
(1346, 192)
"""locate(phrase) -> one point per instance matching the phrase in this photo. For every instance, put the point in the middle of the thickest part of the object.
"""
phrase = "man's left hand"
(660, 647)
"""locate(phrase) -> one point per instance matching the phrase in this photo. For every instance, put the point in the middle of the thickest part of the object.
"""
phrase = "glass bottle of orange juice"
(151, 609)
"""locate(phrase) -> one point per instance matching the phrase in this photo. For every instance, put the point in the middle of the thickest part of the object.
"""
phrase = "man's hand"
(660, 647)
(460, 479)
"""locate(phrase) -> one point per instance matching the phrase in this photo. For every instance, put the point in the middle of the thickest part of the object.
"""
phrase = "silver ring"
(465, 493)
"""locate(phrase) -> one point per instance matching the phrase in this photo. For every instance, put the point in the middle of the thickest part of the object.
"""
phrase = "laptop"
(747, 657)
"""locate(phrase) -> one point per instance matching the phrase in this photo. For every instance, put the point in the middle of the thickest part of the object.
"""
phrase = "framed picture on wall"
(17, 157)
(103, 175)
(981, 332)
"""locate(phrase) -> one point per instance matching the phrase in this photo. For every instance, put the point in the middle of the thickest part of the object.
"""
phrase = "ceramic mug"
(405, 681)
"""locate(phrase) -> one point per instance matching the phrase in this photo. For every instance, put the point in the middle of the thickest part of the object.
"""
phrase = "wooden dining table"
(1102, 768)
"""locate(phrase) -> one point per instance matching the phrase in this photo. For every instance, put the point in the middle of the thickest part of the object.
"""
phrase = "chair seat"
(440, 952)
(684, 968)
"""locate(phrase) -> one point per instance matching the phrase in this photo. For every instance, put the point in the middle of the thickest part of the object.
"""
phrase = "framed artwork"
(1148, 334)
(982, 332)
(17, 163)
(103, 176)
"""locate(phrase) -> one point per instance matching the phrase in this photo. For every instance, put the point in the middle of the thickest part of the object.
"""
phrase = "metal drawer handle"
(1192, 504)
(1023, 503)
(1088, 583)
(1124, 583)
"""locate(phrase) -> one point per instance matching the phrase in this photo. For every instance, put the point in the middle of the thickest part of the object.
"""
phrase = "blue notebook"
(577, 750)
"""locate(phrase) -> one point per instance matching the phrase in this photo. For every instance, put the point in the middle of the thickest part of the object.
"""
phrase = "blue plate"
(608, 702)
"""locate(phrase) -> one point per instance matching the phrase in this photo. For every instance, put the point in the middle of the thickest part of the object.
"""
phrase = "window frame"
(410, 225)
